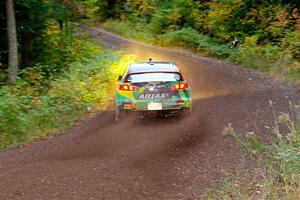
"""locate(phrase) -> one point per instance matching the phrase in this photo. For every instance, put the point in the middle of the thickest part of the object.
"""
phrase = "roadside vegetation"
(277, 171)
(61, 75)
(75, 79)
(267, 33)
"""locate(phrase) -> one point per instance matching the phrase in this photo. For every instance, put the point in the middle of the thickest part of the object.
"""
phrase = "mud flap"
(120, 114)
(117, 115)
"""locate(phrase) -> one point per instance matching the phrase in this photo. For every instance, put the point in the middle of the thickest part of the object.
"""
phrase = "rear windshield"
(153, 77)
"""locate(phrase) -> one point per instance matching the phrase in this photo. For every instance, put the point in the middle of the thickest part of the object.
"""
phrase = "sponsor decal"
(155, 91)
(154, 88)
(154, 96)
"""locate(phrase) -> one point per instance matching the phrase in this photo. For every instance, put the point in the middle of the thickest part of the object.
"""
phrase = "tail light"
(180, 86)
(126, 87)
(127, 104)
(180, 102)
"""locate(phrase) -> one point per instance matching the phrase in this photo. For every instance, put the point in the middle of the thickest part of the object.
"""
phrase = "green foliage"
(33, 19)
(269, 58)
(291, 44)
(268, 20)
(137, 31)
(2, 77)
(189, 37)
(267, 31)
(186, 36)
(56, 50)
(36, 106)
(261, 58)
(110, 9)
(160, 22)
(218, 15)
(221, 50)
(139, 10)
(74, 10)
(175, 15)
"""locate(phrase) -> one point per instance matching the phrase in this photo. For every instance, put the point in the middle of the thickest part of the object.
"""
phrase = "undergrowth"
(138, 31)
(277, 175)
(77, 78)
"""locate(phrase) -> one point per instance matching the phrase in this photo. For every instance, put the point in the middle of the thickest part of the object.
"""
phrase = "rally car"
(152, 88)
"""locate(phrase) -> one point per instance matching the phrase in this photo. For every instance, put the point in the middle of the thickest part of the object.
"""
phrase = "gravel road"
(172, 158)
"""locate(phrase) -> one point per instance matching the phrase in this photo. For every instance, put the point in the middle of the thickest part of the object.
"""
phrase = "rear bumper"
(166, 104)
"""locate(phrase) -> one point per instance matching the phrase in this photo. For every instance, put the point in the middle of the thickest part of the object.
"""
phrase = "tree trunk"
(12, 42)
(26, 48)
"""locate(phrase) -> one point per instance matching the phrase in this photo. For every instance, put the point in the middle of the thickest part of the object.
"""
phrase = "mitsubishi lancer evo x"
(152, 88)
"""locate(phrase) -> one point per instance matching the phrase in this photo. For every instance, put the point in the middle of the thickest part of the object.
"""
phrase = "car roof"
(151, 66)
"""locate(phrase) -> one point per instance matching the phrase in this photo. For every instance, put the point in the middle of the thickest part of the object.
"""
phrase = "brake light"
(180, 102)
(181, 86)
(127, 104)
(126, 87)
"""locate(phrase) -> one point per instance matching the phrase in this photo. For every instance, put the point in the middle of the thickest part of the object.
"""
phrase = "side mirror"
(119, 78)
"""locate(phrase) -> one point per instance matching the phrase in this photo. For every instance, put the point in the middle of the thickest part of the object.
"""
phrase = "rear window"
(153, 77)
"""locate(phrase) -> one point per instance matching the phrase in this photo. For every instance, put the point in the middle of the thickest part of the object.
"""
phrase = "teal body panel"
(169, 100)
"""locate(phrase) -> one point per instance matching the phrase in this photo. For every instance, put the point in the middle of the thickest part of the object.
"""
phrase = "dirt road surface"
(173, 158)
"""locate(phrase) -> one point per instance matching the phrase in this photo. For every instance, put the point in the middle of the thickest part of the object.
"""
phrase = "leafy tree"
(111, 9)
(141, 10)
